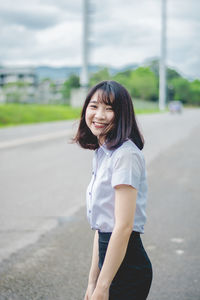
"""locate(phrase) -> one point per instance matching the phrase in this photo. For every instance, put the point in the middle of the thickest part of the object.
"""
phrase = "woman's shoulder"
(128, 157)
(128, 146)
(128, 150)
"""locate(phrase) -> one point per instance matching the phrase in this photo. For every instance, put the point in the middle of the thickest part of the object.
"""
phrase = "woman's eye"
(93, 106)
(109, 108)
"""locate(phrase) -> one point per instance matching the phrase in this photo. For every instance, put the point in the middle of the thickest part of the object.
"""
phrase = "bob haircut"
(124, 125)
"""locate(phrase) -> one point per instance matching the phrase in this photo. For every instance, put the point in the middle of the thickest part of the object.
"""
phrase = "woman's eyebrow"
(96, 101)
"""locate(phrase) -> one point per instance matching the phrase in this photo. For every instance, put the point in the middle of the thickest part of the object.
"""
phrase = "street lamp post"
(162, 75)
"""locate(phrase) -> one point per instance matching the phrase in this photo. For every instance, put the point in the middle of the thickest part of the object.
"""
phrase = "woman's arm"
(125, 205)
(94, 269)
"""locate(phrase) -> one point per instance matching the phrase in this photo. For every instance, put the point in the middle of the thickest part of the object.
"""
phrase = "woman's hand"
(89, 291)
(100, 294)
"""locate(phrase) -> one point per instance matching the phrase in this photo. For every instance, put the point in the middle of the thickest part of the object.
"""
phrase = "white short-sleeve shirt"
(124, 165)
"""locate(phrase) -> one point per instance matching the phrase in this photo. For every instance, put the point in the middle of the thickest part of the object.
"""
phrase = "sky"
(122, 32)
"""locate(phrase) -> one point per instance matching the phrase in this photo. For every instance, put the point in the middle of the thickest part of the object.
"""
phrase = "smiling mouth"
(99, 125)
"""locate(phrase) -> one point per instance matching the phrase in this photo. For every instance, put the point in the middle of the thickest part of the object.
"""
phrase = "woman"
(116, 195)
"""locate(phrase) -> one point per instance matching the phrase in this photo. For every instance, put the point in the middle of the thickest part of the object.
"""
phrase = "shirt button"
(90, 194)
(89, 211)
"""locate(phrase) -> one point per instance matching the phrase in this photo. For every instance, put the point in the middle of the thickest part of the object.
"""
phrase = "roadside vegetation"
(16, 114)
(142, 83)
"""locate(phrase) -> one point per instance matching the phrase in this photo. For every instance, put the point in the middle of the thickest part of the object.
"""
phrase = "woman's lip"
(99, 125)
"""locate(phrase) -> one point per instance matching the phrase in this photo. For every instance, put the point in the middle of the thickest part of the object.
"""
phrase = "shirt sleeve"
(127, 169)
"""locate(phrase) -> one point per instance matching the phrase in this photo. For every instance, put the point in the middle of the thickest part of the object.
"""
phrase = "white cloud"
(60, 45)
(121, 32)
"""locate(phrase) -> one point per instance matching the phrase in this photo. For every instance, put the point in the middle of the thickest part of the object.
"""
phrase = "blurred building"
(49, 92)
(18, 85)
(11, 75)
(21, 85)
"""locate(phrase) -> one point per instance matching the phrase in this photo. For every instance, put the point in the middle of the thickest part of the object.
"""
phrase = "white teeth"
(99, 123)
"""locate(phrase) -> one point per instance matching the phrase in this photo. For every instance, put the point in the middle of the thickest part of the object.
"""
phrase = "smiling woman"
(110, 105)
(116, 195)
(99, 116)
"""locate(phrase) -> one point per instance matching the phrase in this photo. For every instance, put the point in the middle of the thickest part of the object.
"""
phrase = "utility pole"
(162, 73)
(77, 96)
(84, 74)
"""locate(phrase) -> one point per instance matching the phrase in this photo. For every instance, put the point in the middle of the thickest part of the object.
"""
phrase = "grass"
(15, 114)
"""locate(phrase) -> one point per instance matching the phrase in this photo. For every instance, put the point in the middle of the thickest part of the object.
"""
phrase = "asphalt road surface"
(42, 188)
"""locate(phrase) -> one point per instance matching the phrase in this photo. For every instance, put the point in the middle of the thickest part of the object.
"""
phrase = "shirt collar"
(106, 150)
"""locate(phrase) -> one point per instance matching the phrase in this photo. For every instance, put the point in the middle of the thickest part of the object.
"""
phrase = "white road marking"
(177, 240)
(37, 138)
(151, 247)
(179, 251)
(176, 128)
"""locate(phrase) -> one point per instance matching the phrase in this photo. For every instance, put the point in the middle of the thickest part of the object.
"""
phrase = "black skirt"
(134, 276)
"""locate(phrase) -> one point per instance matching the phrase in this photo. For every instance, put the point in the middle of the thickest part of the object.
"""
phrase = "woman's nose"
(100, 114)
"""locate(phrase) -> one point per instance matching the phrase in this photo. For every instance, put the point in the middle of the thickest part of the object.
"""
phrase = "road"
(43, 180)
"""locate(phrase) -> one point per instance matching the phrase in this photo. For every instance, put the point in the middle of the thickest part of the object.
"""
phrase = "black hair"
(124, 124)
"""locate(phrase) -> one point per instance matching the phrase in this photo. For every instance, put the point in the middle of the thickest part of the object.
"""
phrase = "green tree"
(141, 83)
(124, 78)
(154, 67)
(171, 74)
(181, 88)
(144, 84)
(72, 82)
(195, 92)
(101, 75)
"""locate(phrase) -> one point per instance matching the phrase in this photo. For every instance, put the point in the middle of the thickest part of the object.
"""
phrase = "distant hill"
(56, 72)
(64, 72)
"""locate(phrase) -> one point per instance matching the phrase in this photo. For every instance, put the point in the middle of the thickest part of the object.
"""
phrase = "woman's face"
(98, 116)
